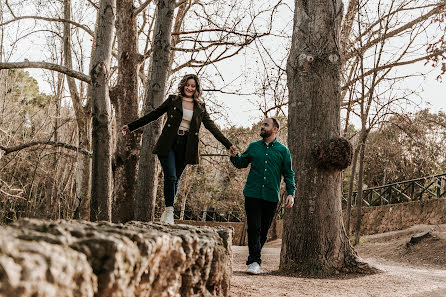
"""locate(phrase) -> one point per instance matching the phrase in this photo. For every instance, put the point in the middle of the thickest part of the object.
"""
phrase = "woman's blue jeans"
(173, 166)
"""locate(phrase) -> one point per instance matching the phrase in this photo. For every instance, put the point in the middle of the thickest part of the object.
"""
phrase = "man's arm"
(288, 173)
(241, 161)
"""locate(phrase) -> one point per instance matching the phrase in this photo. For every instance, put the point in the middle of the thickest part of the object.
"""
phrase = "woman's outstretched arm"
(151, 116)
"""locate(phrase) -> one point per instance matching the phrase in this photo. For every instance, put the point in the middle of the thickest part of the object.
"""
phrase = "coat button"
(196, 133)
(171, 115)
(174, 108)
(168, 125)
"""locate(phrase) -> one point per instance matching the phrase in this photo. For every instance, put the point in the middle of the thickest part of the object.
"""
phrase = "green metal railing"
(410, 190)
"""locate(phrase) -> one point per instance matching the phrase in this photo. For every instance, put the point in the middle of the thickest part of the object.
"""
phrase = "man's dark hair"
(275, 123)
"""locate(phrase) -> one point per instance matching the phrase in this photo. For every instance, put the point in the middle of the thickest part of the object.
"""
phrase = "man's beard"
(265, 134)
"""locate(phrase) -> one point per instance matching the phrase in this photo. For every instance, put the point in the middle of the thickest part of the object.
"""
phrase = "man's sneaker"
(253, 268)
(169, 215)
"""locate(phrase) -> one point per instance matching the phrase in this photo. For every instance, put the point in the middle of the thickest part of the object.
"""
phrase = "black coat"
(174, 108)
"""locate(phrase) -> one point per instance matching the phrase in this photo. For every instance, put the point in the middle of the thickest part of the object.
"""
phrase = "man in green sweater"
(270, 160)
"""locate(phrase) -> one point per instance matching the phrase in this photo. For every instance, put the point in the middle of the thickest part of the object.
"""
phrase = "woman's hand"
(125, 129)
(233, 150)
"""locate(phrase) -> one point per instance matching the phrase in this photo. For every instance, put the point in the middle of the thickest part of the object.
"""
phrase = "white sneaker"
(169, 216)
(163, 217)
(253, 268)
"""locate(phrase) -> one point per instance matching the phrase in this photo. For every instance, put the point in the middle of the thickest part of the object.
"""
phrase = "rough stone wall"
(379, 219)
(236, 226)
(72, 258)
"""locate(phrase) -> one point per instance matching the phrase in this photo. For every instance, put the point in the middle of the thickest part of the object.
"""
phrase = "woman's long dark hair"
(198, 90)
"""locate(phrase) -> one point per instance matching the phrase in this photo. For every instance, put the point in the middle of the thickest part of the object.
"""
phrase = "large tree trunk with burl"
(314, 238)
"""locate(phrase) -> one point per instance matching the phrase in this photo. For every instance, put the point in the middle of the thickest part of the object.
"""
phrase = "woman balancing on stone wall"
(177, 145)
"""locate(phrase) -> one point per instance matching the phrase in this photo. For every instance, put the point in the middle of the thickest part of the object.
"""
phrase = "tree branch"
(434, 11)
(211, 45)
(44, 142)
(142, 7)
(347, 24)
(219, 30)
(10, 9)
(228, 92)
(12, 195)
(396, 64)
(85, 28)
(50, 66)
(193, 63)
(93, 4)
(377, 22)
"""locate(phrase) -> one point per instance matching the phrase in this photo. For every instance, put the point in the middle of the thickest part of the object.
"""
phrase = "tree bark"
(148, 167)
(125, 100)
(83, 115)
(314, 238)
(348, 211)
(347, 26)
(49, 66)
(175, 39)
(359, 195)
(101, 114)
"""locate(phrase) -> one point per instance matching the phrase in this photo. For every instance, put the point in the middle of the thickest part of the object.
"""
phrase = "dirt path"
(397, 279)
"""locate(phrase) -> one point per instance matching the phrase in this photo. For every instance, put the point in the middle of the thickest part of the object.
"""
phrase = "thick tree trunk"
(125, 100)
(148, 167)
(83, 181)
(101, 112)
(314, 238)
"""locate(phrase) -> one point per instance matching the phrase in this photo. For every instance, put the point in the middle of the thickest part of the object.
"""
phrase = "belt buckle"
(180, 132)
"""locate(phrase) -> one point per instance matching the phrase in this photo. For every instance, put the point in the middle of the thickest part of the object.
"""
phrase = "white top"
(187, 118)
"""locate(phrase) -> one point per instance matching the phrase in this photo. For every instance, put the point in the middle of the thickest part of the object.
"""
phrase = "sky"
(241, 110)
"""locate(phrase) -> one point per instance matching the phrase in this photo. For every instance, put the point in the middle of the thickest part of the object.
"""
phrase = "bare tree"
(81, 107)
(439, 45)
(314, 238)
(372, 75)
(214, 37)
(124, 96)
(155, 90)
(83, 116)
(101, 114)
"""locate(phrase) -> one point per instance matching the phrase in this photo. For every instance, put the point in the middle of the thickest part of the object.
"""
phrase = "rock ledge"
(79, 258)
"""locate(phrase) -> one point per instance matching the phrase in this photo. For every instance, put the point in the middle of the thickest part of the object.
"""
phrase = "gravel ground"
(417, 271)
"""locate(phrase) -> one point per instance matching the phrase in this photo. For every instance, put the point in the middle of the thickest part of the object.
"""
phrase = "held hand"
(125, 129)
(233, 150)
(289, 202)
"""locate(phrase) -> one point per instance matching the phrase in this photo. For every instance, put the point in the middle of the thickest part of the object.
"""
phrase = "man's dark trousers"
(259, 216)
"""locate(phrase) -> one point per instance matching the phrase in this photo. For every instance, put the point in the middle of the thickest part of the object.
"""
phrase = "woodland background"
(44, 136)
